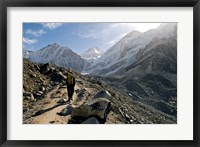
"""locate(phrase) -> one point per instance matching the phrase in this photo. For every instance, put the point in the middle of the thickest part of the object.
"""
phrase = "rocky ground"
(95, 101)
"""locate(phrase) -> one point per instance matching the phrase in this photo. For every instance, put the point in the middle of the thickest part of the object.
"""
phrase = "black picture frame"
(4, 4)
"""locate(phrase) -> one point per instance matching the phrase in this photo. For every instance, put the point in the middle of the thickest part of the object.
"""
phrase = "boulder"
(91, 120)
(46, 69)
(81, 93)
(96, 108)
(29, 96)
(62, 100)
(27, 93)
(103, 94)
(33, 75)
(38, 94)
(42, 88)
(66, 111)
(57, 77)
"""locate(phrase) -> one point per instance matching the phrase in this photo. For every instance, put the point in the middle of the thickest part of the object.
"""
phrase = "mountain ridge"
(124, 52)
(58, 55)
(92, 53)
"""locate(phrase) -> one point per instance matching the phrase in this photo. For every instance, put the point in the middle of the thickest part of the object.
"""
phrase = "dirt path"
(49, 106)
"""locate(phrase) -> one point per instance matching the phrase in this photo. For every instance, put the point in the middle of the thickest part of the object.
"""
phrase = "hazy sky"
(78, 36)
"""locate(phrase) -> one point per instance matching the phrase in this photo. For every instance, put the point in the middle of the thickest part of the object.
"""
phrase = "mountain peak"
(133, 34)
(54, 45)
(58, 55)
(95, 49)
(92, 53)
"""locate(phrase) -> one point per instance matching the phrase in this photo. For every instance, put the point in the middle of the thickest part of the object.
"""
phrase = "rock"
(103, 93)
(66, 111)
(37, 67)
(25, 109)
(40, 92)
(29, 96)
(63, 86)
(37, 94)
(127, 117)
(42, 88)
(33, 75)
(91, 120)
(51, 122)
(121, 112)
(57, 92)
(82, 90)
(55, 83)
(55, 95)
(62, 100)
(81, 93)
(99, 82)
(77, 90)
(57, 77)
(46, 69)
(97, 108)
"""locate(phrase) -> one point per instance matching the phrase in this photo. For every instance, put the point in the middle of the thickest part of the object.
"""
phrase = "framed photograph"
(99, 73)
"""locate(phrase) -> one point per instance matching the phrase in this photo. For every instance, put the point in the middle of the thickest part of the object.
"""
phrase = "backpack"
(69, 79)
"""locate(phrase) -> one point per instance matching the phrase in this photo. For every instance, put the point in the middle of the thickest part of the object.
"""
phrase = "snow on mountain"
(159, 56)
(124, 52)
(58, 55)
(92, 53)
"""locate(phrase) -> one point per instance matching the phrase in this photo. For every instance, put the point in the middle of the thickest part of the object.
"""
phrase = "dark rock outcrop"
(91, 120)
(57, 77)
(66, 111)
(46, 69)
(98, 108)
(102, 94)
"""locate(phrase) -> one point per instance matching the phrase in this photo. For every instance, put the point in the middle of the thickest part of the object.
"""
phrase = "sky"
(78, 36)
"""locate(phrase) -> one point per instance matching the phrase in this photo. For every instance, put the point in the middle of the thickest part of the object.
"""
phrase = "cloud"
(51, 25)
(109, 33)
(142, 27)
(106, 33)
(36, 33)
(29, 41)
(87, 34)
(103, 31)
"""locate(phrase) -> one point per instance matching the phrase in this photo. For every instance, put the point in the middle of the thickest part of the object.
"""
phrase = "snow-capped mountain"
(58, 55)
(159, 56)
(124, 52)
(92, 53)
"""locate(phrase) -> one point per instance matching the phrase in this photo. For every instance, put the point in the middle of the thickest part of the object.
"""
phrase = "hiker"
(70, 81)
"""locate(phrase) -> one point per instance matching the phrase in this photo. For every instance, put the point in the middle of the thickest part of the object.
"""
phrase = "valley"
(132, 82)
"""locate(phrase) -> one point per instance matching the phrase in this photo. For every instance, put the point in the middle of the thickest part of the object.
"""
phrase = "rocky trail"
(51, 109)
(94, 101)
(52, 104)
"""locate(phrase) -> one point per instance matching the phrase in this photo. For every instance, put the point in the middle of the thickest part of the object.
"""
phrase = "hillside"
(96, 100)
